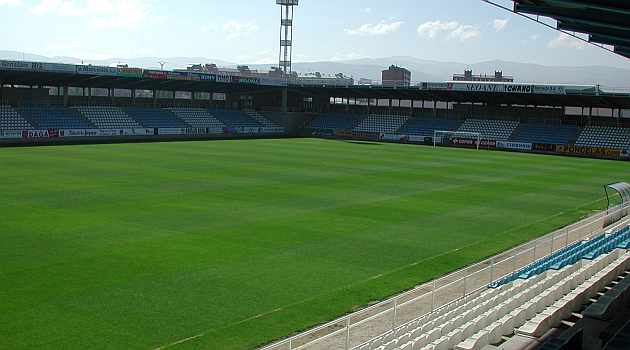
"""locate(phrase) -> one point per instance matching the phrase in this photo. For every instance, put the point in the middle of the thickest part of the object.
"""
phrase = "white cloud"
(533, 37)
(99, 13)
(566, 41)
(380, 28)
(235, 29)
(455, 30)
(10, 2)
(465, 33)
(500, 24)
(367, 10)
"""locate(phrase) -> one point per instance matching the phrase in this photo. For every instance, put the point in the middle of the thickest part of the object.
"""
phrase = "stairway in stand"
(259, 118)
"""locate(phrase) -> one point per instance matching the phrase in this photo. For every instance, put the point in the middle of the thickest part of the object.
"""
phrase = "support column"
(154, 98)
(66, 97)
(285, 100)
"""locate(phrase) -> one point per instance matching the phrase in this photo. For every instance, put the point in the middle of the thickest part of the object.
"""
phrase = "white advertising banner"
(519, 146)
(171, 131)
(105, 132)
(10, 134)
(416, 138)
(508, 88)
(97, 70)
(273, 130)
(391, 137)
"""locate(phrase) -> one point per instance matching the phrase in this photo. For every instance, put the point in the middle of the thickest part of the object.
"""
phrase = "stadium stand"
(499, 130)
(155, 118)
(107, 117)
(604, 322)
(55, 117)
(605, 136)
(382, 123)
(521, 307)
(336, 121)
(235, 119)
(427, 127)
(10, 119)
(198, 118)
(540, 133)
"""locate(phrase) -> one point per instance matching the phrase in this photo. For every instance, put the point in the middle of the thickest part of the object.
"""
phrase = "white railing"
(355, 329)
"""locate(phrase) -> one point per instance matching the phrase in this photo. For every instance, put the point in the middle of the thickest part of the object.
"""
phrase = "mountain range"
(370, 68)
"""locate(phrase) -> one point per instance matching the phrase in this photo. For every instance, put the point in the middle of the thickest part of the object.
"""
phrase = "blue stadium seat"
(427, 127)
(155, 118)
(540, 133)
(590, 250)
(336, 121)
(55, 117)
(235, 119)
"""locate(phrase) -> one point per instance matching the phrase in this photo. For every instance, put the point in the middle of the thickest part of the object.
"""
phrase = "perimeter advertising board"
(155, 74)
(37, 67)
(588, 151)
(505, 88)
(130, 72)
(10, 134)
(21, 66)
(517, 146)
(177, 76)
(106, 132)
(97, 70)
(467, 142)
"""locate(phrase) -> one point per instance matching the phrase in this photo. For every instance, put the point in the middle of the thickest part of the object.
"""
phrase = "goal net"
(444, 137)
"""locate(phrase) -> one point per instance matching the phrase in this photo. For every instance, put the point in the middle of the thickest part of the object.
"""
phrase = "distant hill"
(422, 70)
(143, 62)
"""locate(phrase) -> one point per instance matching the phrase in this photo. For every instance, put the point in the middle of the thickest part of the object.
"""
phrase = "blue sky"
(246, 31)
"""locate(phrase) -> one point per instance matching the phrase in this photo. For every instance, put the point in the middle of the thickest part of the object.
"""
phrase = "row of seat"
(589, 249)
(155, 118)
(549, 134)
(55, 117)
(523, 307)
(260, 119)
(10, 119)
(605, 136)
(381, 123)
(499, 130)
(336, 121)
(108, 117)
(90, 117)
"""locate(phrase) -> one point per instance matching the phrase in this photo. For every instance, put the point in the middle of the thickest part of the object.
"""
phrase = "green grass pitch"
(135, 246)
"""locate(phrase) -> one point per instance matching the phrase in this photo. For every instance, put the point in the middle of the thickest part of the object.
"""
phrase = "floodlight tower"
(286, 34)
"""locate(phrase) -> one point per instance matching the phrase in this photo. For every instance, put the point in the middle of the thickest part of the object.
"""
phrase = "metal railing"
(355, 329)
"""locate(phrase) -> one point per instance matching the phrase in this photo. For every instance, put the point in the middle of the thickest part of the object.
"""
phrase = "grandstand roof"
(586, 98)
(605, 21)
(117, 82)
(604, 100)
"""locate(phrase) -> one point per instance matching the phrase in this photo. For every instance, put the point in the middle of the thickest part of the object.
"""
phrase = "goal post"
(440, 136)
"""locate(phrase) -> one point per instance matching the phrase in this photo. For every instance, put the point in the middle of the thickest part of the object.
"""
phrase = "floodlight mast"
(286, 34)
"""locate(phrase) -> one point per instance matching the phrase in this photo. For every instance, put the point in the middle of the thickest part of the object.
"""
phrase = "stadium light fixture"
(286, 34)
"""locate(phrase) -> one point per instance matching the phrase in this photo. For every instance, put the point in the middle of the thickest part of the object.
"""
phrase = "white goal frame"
(442, 133)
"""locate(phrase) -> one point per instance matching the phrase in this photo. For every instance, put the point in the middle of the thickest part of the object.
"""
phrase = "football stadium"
(202, 208)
